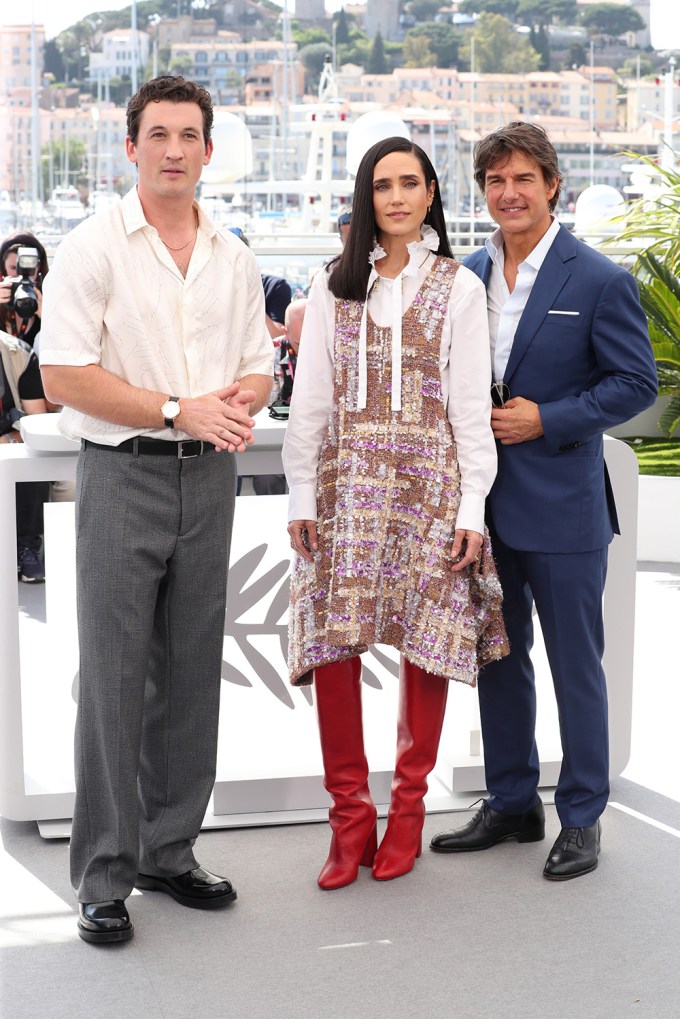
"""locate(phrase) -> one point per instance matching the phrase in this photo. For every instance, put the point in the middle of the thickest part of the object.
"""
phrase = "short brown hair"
(518, 136)
(171, 89)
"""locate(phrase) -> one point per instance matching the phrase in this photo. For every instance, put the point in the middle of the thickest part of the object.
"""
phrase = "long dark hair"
(349, 272)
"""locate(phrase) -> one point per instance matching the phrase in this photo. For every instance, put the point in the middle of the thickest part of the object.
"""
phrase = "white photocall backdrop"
(269, 763)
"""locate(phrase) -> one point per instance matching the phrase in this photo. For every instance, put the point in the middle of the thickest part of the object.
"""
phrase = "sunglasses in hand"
(500, 394)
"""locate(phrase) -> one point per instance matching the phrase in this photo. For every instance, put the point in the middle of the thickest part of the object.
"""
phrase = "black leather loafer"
(103, 923)
(198, 888)
(575, 852)
(488, 827)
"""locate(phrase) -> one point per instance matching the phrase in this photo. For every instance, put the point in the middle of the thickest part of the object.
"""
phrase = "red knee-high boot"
(352, 815)
(422, 703)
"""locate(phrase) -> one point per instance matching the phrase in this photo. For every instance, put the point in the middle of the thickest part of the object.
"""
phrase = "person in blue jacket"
(571, 358)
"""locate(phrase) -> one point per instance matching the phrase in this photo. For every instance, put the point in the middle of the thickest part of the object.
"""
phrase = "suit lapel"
(551, 278)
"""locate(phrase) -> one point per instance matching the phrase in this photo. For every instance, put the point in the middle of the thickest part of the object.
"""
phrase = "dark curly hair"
(518, 136)
(173, 90)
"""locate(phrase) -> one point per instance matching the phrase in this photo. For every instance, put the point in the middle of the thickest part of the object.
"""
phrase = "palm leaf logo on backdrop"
(272, 589)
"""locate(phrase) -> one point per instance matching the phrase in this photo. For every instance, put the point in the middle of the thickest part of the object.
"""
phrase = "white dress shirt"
(505, 308)
(114, 297)
(465, 372)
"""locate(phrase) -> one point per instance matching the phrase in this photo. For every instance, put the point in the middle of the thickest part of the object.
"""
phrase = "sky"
(56, 15)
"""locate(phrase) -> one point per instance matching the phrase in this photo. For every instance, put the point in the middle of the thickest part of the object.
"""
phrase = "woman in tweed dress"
(389, 456)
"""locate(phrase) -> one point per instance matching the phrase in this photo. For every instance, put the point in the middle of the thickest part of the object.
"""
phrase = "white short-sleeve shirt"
(114, 297)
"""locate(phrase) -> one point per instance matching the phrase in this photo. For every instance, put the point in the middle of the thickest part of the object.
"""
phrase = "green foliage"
(653, 225)
(576, 56)
(342, 29)
(180, 64)
(52, 61)
(507, 8)
(538, 37)
(309, 36)
(423, 10)
(498, 48)
(357, 51)
(611, 19)
(545, 12)
(657, 456)
(417, 52)
(313, 58)
(630, 68)
(377, 61)
(76, 169)
(443, 40)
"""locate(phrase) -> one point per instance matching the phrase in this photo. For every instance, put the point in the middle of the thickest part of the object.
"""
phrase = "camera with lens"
(23, 299)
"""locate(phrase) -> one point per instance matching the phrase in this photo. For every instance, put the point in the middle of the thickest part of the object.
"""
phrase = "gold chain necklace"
(182, 246)
(187, 243)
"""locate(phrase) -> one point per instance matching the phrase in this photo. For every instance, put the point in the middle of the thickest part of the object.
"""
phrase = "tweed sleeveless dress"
(388, 497)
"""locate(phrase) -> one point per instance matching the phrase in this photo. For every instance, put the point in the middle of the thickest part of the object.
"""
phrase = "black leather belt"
(140, 446)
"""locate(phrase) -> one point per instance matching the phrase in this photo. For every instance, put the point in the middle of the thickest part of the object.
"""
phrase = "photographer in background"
(21, 390)
(11, 321)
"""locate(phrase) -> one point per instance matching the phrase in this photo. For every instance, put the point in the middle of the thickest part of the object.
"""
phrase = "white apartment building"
(15, 56)
(645, 100)
(540, 93)
(122, 50)
(219, 62)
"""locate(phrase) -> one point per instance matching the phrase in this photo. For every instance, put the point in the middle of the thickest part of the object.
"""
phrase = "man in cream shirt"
(154, 340)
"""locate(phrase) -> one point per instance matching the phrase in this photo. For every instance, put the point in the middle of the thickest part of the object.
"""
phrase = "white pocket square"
(554, 312)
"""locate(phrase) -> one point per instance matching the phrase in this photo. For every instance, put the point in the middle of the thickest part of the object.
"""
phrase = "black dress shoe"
(575, 852)
(488, 827)
(198, 888)
(102, 923)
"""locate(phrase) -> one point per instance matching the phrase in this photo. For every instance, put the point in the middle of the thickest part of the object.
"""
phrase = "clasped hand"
(518, 421)
(221, 418)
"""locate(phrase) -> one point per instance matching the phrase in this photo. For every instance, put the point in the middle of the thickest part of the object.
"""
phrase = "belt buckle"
(181, 455)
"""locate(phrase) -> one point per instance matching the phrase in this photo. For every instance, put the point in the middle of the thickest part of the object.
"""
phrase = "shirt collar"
(535, 258)
(134, 218)
(429, 241)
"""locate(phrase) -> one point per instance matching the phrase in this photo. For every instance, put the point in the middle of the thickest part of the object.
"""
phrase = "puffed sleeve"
(467, 383)
(311, 403)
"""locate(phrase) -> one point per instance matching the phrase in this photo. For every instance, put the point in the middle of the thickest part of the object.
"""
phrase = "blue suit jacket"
(587, 371)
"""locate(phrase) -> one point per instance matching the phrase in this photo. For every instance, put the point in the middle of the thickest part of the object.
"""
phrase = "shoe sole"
(31, 580)
(570, 877)
(149, 884)
(527, 836)
(105, 937)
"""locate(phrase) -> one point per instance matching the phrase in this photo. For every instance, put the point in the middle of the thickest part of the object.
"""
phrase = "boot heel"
(371, 848)
(420, 848)
(531, 835)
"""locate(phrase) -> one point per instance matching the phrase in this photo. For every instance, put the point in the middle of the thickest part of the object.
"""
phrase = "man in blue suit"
(571, 358)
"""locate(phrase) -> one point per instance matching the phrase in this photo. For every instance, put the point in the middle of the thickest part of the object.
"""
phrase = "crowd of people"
(444, 461)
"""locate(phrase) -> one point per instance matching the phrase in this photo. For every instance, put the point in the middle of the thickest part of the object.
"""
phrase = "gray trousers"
(153, 536)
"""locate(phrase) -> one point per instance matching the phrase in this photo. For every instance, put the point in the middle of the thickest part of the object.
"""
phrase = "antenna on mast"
(328, 89)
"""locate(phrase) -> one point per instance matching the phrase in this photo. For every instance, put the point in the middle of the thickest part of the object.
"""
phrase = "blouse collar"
(429, 241)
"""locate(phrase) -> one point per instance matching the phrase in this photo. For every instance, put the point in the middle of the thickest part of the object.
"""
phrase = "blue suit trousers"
(567, 590)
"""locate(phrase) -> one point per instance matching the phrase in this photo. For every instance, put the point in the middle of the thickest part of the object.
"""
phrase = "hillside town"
(585, 71)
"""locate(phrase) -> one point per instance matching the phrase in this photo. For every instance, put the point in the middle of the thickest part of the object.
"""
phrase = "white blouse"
(464, 361)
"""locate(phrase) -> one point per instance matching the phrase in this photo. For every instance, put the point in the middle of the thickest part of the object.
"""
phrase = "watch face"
(170, 409)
